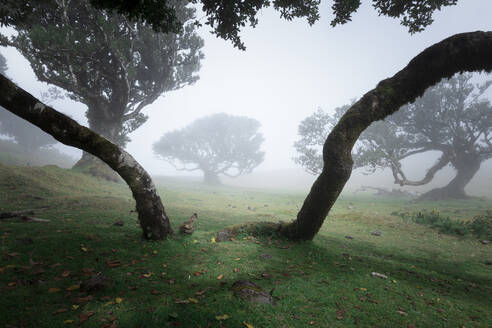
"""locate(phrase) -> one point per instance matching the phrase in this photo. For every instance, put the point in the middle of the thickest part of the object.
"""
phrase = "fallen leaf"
(402, 313)
(118, 300)
(59, 311)
(75, 307)
(363, 289)
(147, 275)
(113, 264)
(311, 323)
(220, 276)
(68, 321)
(222, 317)
(65, 274)
(193, 300)
(84, 299)
(248, 325)
(84, 249)
(84, 316)
(180, 301)
(73, 287)
(236, 270)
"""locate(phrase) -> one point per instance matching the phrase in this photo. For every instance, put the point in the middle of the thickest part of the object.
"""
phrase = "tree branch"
(151, 213)
(403, 181)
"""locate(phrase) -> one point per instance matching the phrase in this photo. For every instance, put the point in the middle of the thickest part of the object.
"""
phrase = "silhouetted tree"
(218, 144)
(450, 118)
(110, 64)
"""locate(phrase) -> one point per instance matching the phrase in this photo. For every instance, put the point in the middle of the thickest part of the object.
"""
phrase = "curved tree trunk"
(466, 169)
(151, 213)
(461, 52)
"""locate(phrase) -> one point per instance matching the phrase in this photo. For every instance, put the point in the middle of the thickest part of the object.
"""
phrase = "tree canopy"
(114, 66)
(227, 17)
(451, 118)
(218, 144)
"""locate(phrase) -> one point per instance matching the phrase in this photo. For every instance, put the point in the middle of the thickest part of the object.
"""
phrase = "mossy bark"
(461, 52)
(151, 212)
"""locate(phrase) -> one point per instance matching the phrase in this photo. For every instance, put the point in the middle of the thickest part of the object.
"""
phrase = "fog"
(288, 70)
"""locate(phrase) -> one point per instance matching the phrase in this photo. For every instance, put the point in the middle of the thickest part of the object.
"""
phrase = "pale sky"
(288, 70)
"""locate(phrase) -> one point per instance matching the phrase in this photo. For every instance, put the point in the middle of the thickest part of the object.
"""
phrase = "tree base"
(443, 194)
(281, 230)
(91, 165)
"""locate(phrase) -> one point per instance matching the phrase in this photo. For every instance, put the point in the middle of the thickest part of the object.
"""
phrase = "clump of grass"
(480, 226)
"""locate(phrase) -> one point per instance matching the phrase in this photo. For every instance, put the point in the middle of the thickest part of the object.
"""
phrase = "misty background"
(288, 71)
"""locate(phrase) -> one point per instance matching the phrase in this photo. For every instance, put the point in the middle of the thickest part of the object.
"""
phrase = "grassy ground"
(433, 280)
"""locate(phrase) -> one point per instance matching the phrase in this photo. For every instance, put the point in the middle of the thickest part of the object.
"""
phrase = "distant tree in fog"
(218, 144)
(451, 117)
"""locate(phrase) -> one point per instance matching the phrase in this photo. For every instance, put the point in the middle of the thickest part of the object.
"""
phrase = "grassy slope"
(434, 280)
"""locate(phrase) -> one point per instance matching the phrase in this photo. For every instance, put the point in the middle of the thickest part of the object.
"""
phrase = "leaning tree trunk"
(466, 168)
(151, 213)
(461, 52)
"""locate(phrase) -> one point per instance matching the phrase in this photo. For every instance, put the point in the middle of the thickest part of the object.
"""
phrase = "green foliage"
(480, 226)
(215, 144)
(227, 18)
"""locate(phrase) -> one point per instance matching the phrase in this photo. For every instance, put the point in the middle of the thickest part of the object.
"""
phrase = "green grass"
(434, 280)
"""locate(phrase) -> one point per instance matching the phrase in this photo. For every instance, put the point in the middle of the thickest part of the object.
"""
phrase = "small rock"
(119, 223)
(485, 241)
(251, 292)
(376, 233)
(265, 256)
(222, 236)
(379, 275)
(349, 237)
(97, 281)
